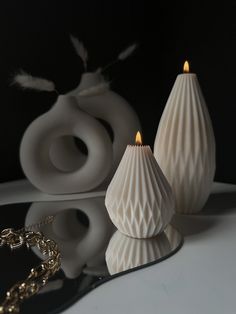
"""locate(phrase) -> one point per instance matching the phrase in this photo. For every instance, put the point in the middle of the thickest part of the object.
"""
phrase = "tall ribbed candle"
(185, 144)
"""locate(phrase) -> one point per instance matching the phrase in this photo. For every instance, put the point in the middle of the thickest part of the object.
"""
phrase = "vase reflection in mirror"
(82, 241)
(124, 253)
(185, 144)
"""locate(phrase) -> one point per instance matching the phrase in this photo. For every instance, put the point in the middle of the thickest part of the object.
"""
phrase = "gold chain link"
(39, 275)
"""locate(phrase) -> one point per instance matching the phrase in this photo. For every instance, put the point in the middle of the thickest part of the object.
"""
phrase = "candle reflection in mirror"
(124, 253)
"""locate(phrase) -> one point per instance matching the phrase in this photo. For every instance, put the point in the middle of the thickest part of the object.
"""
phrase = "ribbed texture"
(139, 199)
(124, 253)
(185, 145)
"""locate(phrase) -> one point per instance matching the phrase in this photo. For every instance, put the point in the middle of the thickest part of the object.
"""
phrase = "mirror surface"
(93, 251)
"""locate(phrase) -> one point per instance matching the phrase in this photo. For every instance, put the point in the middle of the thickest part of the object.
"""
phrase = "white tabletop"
(199, 279)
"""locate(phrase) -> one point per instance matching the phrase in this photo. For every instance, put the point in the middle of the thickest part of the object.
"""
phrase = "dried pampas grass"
(28, 81)
(127, 52)
(80, 50)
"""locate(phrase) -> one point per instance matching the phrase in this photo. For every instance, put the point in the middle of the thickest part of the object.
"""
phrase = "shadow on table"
(218, 204)
(193, 224)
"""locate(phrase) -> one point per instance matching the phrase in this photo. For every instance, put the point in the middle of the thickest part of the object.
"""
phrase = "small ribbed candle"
(139, 198)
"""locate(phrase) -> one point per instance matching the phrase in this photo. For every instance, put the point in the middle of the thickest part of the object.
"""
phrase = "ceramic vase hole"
(81, 146)
(108, 128)
(68, 153)
(70, 224)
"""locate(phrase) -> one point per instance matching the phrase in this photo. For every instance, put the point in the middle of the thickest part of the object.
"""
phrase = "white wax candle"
(185, 144)
(139, 199)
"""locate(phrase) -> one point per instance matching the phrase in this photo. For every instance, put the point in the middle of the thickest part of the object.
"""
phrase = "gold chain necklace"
(39, 275)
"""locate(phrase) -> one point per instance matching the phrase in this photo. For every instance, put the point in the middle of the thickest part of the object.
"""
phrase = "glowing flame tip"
(186, 67)
(138, 139)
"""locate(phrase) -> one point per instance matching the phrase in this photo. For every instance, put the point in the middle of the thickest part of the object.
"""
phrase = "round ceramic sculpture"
(48, 154)
(185, 145)
(139, 199)
(124, 253)
(95, 97)
(79, 245)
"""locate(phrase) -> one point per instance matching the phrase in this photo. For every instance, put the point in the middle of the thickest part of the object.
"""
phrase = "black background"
(34, 35)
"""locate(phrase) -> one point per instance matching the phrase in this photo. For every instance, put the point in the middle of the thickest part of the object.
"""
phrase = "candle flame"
(138, 139)
(186, 67)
